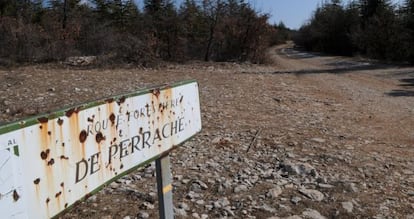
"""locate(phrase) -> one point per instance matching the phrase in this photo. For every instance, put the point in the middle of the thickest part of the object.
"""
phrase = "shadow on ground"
(341, 69)
(337, 70)
(405, 83)
(298, 54)
(401, 93)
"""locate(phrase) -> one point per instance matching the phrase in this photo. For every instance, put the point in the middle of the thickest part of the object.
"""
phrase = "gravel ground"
(307, 137)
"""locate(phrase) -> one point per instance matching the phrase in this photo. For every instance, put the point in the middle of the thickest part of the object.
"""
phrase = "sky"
(293, 13)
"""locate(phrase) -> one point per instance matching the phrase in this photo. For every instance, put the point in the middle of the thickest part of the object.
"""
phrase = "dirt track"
(335, 137)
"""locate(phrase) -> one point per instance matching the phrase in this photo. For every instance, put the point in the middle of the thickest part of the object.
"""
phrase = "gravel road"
(308, 136)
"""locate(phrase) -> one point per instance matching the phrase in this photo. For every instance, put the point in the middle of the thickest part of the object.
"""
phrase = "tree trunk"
(65, 16)
(209, 43)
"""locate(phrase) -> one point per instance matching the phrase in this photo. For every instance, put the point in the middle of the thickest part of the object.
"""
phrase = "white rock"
(221, 203)
(302, 169)
(293, 217)
(143, 215)
(39, 99)
(352, 187)
(184, 206)
(180, 212)
(201, 184)
(348, 206)
(193, 195)
(315, 195)
(295, 200)
(229, 211)
(275, 192)
(147, 206)
(312, 214)
(266, 208)
(80, 60)
(318, 140)
(216, 140)
(92, 198)
(6, 103)
(240, 188)
(325, 186)
(209, 207)
(285, 207)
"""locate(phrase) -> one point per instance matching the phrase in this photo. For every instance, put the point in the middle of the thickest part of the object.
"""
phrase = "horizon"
(293, 13)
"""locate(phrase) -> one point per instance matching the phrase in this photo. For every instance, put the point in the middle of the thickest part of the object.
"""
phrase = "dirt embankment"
(309, 136)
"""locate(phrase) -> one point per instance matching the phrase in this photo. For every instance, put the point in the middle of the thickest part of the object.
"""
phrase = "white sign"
(49, 163)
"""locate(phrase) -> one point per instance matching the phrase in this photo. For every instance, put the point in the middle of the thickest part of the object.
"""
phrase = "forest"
(119, 31)
(377, 29)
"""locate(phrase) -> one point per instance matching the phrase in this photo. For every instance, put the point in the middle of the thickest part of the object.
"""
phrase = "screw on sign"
(80, 150)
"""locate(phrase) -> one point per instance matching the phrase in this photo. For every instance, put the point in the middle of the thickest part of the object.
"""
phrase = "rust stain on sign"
(73, 152)
(82, 136)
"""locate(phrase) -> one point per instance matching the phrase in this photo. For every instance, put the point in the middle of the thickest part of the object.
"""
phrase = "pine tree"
(378, 29)
(409, 28)
(64, 8)
(194, 28)
(162, 20)
(123, 13)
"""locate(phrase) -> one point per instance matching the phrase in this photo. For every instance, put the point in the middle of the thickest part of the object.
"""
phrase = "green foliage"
(194, 29)
(329, 30)
(374, 28)
(408, 25)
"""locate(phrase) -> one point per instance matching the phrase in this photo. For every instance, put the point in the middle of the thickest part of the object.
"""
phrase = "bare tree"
(213, 10)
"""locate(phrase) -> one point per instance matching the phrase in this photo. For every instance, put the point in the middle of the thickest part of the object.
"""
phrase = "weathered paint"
(50, 162)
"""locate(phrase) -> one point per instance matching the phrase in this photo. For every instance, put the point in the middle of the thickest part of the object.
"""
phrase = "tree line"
(377, 29)
(120, 31)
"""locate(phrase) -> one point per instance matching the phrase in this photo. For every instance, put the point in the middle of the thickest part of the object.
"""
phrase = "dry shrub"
(20, 42)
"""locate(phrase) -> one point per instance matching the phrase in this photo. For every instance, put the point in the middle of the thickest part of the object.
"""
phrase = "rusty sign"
(49, 163)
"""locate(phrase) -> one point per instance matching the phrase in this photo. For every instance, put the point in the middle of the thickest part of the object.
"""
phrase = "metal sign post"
(50, 162)
(164, 185)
